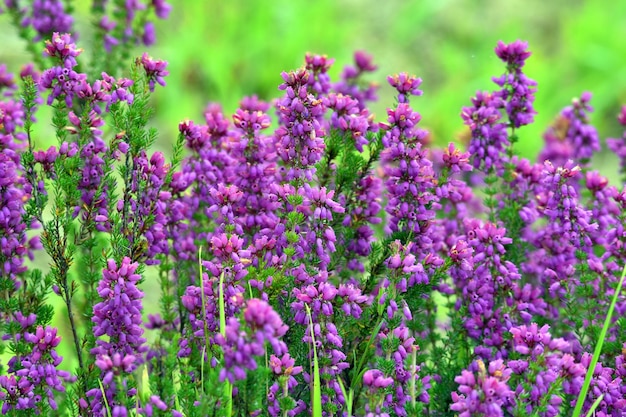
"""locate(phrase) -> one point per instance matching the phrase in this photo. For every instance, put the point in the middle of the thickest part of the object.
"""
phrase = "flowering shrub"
(311, 261)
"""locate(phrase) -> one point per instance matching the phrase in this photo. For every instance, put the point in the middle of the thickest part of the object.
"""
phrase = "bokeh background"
(220, 51)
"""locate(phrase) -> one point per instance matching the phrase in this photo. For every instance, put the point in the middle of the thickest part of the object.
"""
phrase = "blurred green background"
(223, 50)
(220, 51)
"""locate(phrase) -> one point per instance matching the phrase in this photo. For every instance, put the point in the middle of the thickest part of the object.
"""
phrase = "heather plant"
(310, 260)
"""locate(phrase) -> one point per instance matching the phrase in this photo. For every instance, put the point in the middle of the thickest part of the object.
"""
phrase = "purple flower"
(348, 117)
(619, 145)
(559, 204)
(409, 176)
(517, 89)
(149, 37)
(118, 315)
(571, 136)
(262, 319)
(406, 85)
(241, 348)
(14, 246)
(318, 66)
(489, 137)
(351, 83)
(284, 365)
(161, 8)
(375, 379)
(35, 376)
(485, 393)
(155, 70)
(63, 48)
(603, 382)
(581, 134)
(299, 138)
(134, 26)
(513, 54)
(7, 81)
(532, 340)
(365, 206)
(48, 16)
(456, 161)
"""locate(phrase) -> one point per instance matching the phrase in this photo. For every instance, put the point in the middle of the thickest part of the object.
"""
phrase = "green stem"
(596, 354)
(229, 387)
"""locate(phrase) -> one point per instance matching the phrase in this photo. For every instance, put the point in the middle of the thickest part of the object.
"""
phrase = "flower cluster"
(241, 347)
(330, 265)
(517, 89)
(34, 378)
(483, 391)
(619, 145)
(572, 136)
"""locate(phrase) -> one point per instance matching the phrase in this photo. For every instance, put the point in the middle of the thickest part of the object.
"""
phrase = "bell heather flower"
(299, 138)
(196, 185)
(604, 382)
(557, 148)
(63, 81)
(255, 169)
(409, 176)
(61, 47)
(155, 70)
(242, 345)
(48, 16)
(484, 283)
(517, 89)
(12, 227)
(193, 300)
(605, 210)
(319, 237)
(365, 205)
(455, 196)
(347, 117)
(489, 136)
(542, 371)
(35, 376)
(351, 83)
(325, 300)
(559, 204)
(144, 205)
(118, 315)
(94, 194)
(283, 370)
(319, 80)
(404, 269)
(534, 340)
(581, 133)
(406, 85)
(129, 14)
(618, 146)
(485, 392)
(572, 136)
(265, 323)
(7, 81)
(376, 382)
(397, 345)
(106, 90)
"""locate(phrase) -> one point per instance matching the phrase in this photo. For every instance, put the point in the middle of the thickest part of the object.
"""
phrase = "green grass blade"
(596, 354)
(347, 395)
(316, 393)
(228, 385)
(104, 397)
(595, 404)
